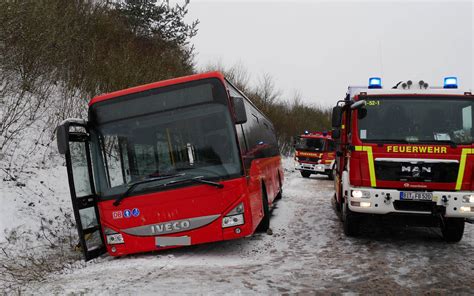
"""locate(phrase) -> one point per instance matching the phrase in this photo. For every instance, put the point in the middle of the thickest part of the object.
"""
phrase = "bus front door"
(73, 142)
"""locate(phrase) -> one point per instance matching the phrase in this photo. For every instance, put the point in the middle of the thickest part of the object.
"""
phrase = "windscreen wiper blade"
(134, 185)
(200, 179)
(450, 142)
(383, 141)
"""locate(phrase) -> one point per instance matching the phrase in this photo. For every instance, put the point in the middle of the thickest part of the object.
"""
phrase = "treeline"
(95, 46)
(290, 116)
(57, 54)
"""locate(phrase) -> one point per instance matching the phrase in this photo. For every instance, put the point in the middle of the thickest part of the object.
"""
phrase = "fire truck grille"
(311, 159)
(418, 206)
(416, 172)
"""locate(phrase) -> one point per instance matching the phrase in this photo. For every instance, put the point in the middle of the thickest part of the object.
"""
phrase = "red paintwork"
(153, 85)
(196, 201)
(359, 172)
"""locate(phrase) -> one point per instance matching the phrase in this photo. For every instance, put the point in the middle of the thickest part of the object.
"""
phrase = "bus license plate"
(426, 196)
(169, 241)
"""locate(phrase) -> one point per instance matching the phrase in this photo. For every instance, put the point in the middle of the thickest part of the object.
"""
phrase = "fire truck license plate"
(416, 196)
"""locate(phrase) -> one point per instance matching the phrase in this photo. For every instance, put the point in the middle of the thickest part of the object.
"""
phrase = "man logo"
(415, 170)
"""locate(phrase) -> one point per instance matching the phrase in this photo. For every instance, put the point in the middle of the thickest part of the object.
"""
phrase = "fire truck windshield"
(198, 140)
(310, 144)
(423, 120)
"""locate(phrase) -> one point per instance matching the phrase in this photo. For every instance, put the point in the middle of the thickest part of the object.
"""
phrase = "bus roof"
(153, 85)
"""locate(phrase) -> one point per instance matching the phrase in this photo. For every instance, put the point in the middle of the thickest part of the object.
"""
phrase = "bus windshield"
(310, 144)
(197, 140)
(418, 120)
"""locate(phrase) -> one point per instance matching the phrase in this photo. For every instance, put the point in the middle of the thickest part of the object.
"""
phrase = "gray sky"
(318, 48)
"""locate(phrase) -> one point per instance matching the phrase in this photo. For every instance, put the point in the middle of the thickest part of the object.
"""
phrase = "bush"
(290, 117)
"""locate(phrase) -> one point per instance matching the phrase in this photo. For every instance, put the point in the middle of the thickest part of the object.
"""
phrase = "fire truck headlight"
(360, 194)
(468, 198)
(114, 239)
(362, 204)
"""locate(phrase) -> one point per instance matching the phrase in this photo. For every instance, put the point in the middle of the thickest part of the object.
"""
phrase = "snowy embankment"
(307, 252)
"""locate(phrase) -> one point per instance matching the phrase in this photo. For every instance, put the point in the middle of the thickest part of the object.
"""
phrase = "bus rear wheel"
(452, 229)
(305, 174)
(265, 223)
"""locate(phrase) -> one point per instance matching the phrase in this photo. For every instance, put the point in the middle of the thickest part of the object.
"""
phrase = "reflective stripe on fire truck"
(462, 166)
(370, 160)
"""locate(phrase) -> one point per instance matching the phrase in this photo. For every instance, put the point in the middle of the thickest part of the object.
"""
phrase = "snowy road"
(307, 252)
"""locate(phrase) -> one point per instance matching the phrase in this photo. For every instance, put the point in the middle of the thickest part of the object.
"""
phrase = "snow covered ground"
(307, 252)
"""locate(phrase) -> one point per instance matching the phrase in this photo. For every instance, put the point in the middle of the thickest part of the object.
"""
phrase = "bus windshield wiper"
(134, 185)
(199, 179)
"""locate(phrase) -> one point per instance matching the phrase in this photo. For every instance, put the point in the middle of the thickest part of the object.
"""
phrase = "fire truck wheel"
(452, 229)
(330, 174)
(305, 174)
(265, 223)
(350, 221)
(336, 203)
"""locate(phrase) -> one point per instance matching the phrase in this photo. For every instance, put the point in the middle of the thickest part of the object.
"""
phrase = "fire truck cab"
(314, 153)
(405, 152)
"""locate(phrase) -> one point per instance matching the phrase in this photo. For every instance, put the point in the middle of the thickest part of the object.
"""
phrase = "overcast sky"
(318, 48)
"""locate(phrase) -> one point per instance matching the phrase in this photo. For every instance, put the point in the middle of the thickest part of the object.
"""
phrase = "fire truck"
(405, 152)
(314, 153)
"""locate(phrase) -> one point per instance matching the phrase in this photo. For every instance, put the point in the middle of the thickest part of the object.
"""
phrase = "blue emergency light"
(306, 132)
(375, 82)
(450, 82)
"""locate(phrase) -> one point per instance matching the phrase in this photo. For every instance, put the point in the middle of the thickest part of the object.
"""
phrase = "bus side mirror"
(239, 108)
(336, 133)
(62, 138)
(336, 116)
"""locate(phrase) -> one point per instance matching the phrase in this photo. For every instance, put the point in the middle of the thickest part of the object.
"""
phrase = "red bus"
(179, 162)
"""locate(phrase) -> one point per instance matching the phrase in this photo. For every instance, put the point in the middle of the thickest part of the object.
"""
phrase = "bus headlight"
(114, 239)
(234, 217)
(468, 198)
(360, 194)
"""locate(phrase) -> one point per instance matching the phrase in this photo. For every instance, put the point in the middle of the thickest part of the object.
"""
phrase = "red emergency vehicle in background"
(314, 153)
(406, 152)
(179, 162)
